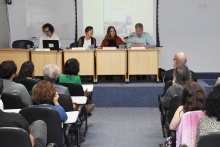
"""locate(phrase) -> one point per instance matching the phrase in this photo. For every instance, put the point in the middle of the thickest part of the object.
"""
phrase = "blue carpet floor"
(143, 94)
(124, 127)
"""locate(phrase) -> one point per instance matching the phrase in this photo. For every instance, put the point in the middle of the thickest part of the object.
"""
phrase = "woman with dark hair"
(192, 99)
(111, 38)
(87, 40)
(26, 71)
(210, 122)
(70, 72)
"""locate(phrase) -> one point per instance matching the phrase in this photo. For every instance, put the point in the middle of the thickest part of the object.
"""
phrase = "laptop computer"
(52, 44)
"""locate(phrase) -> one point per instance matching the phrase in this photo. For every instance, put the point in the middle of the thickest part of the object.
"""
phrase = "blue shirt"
(145, 38)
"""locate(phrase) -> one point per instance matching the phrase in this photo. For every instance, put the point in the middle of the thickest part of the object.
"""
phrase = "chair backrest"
(186, 131)
(74, 44)
(75, 89)
(212, 140)
(11, 101)
(22, 44)
(28, 83)
(52, 119)
(11, 136)
(174, 104)
(66, 102)
(167, 85)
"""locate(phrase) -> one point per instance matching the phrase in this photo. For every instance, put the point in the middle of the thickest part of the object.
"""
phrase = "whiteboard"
(59, 13)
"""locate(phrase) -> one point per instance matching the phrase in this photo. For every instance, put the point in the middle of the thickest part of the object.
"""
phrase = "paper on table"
(12, 110)
(137, 48)
(88, 87)
(79, 99)
(72, 117)
(109, 48)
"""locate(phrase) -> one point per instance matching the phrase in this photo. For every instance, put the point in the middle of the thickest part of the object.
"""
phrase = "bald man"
(179, 59)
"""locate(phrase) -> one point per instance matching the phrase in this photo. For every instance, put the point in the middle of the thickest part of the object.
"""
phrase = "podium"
(41, 58)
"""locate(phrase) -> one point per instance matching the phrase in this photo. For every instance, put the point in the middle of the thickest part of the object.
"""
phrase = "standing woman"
(87, 40)
(111, 38)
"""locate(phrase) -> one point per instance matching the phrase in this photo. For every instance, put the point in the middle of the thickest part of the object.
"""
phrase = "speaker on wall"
(9, 2)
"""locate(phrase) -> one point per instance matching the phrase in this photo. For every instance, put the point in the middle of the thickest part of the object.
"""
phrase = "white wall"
(4, 28)
(191, 26)
(17, 21)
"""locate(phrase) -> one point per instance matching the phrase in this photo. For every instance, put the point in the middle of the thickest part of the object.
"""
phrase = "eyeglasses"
(46, 31)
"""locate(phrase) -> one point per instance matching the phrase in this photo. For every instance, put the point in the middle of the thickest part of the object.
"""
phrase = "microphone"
(128, 37)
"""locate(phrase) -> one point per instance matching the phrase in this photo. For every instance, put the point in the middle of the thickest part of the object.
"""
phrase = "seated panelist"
(140, 38)
(87, 40)
(111, 38)
(48, 31)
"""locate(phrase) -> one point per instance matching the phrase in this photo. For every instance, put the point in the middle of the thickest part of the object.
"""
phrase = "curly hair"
(48, 25)
(27, 70)
(43, 93)
(192, 97)
(212, 103)
(71, 67)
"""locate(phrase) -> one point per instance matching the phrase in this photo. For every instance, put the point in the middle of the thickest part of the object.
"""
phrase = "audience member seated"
(192, 99)
(181, 76)
(7, 73)
(70, 72)
(179, 59)
(210, 122)
(27, 71)
(44, 95)
(87, 40)
(111, 38)
(51, 73)
(186, 117)
(37, 130)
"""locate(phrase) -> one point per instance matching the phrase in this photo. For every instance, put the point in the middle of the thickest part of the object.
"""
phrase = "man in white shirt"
(48, 31)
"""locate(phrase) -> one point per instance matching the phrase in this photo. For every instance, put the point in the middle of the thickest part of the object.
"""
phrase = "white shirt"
(86, 43)
(45, 37)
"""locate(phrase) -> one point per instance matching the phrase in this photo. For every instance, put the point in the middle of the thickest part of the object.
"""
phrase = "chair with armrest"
(174, 104)
(212, 140)
(28, 83)
(11, 137)
(74, 89)
(22, 44)
(11, 101)
(66, 102)
(77, 90)
(52, 119)
(163, 111)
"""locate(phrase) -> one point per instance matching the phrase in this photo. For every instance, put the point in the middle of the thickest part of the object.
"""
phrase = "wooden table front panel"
(111, 62)
(85, 58)
(42, 58)
(143, 62)
(19, 56)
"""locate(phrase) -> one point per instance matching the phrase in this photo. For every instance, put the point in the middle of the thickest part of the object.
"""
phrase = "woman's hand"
(55, 100)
